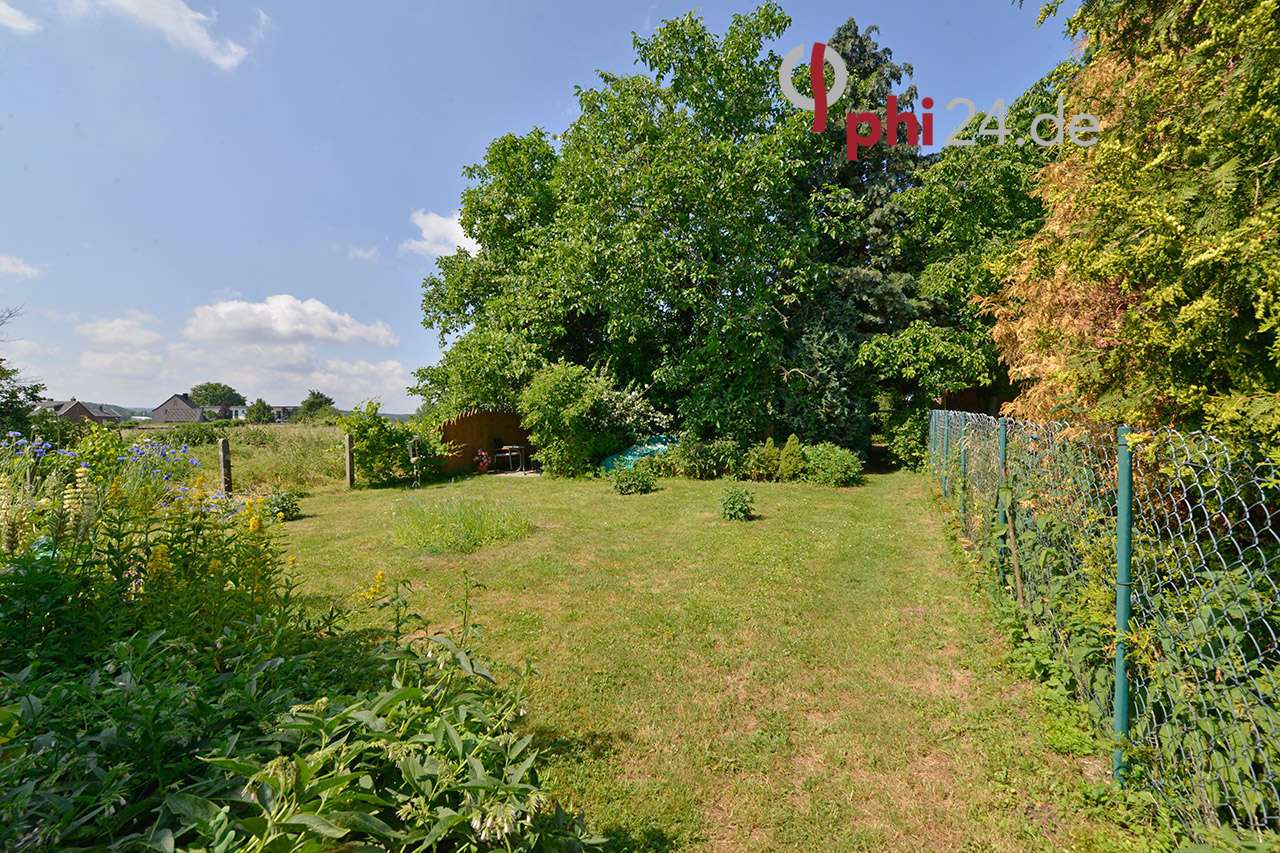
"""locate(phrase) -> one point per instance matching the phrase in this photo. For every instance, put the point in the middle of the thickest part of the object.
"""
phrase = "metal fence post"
(1124, 566)
(964, 468)
(1004, 456)
(946, 449)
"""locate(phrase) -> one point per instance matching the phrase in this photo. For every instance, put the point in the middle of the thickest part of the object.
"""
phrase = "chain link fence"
(1043, 504)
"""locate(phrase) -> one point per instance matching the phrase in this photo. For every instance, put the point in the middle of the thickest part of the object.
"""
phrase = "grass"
(444, 522)
(273, 456)
(822, 678)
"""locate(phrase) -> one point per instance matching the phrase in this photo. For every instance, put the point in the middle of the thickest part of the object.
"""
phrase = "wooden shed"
(482, 429)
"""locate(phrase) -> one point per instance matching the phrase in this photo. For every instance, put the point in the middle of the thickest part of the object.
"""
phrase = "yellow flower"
(255, 524)
(293, 561)
(280, 515)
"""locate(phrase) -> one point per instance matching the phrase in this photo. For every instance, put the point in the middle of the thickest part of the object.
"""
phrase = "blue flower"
(195, 462)
(22, 441)
(13, 433)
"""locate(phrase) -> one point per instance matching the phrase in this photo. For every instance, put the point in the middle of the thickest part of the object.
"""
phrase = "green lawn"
(821, 678)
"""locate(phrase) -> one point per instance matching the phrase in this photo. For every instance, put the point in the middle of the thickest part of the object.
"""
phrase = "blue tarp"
(651, 446)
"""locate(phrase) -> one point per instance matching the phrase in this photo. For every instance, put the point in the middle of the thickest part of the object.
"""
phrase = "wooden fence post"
(351, 461)
(224, 464)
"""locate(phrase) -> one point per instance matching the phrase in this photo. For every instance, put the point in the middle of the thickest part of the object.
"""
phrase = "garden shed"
(489, 430)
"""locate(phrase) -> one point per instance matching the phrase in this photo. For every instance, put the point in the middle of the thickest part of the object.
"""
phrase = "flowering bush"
(482, 461)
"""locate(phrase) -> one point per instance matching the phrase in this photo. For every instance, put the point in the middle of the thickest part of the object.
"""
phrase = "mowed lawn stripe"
(820, 678)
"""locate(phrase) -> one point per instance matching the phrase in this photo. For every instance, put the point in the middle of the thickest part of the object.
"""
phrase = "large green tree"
(688, 234)
(216, 394)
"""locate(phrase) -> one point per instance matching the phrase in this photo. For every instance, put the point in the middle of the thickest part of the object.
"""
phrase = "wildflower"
(13, 433)
(255, 524)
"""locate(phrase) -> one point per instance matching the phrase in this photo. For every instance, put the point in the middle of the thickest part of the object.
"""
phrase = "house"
(238, 413)
(283, 413)
(177, 409)
(76, 411)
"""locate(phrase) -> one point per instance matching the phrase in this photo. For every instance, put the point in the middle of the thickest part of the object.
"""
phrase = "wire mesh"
(1204, 636)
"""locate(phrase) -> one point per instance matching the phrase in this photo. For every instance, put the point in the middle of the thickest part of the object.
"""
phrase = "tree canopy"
(216, 394)
(687, 233)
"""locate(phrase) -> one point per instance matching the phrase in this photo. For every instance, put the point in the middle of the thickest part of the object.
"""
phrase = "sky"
(252, 193)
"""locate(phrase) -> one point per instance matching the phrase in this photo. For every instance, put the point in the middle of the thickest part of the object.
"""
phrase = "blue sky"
(252, 192)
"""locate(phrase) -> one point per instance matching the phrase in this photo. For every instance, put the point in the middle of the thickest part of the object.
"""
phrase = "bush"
(385, 450)
(705, 460)
(736, 504)
(282, 505)
(791, 460)
(828, 464)
(193, 434)
(566, 409)
(760, 463)
(639, 479)
(442, 523)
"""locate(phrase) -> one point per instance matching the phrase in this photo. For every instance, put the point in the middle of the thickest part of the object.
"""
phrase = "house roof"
(181, 398)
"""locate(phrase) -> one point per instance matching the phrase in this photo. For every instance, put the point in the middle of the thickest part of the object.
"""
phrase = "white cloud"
(130, 330)
(180, 24)
(128, 364)
(23, 350)
(371, 254)
(16, 21)
(282, 318)
(441, 235)
(9, 265)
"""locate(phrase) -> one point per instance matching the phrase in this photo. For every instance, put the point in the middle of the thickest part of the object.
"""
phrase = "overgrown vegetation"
(162, 686)
(439, 521)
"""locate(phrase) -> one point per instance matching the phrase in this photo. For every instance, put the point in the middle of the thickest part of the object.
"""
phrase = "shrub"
(791, 460)
(736, 504)
(705, 460)
(639, 479)
(566, 410)
(193, 434)
(385, 450)
(831, 465)
(760, 463)
(282, 505)
(443, 523)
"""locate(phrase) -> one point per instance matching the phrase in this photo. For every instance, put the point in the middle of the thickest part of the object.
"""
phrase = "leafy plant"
(736, 504)
(791, 460)
(760, 463)
(639, 479)
(571, 418)
(830, 465)
(704, 460)
(387, 451)
(282, 505)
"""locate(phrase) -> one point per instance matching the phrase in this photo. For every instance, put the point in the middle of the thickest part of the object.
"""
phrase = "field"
(824, 677)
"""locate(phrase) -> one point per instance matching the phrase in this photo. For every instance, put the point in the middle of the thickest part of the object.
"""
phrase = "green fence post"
(946, 449)
(1004, 456)
(1124, 566)
(964, 468)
